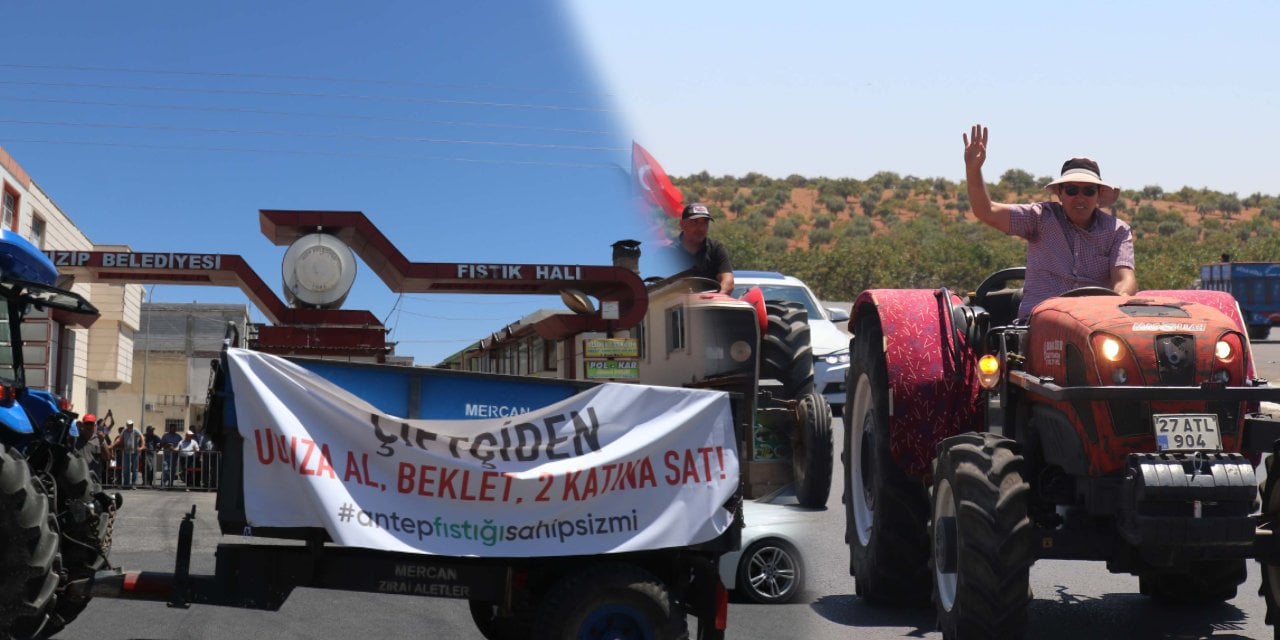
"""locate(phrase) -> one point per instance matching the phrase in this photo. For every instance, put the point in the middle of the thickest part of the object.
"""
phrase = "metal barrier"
(196, 470)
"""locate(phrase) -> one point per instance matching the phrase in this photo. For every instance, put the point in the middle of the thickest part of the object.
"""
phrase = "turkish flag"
(653, 182)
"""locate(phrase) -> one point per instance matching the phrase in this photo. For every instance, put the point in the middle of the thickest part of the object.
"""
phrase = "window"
(549, 355)
(675, 329)
(176, 423)
(10, 208)
(37, 232)
(522, 358)
(639, 333)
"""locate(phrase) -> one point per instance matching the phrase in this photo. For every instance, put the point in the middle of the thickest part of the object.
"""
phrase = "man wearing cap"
(94, 445)
(128, 446)
(187, 450)
(169, 443)
(1071, 243)
(698, 254)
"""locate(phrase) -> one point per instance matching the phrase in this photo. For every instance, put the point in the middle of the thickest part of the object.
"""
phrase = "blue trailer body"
(442, 394)
(1254, 285)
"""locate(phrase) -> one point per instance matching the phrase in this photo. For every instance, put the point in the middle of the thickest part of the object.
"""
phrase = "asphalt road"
(1072, 599)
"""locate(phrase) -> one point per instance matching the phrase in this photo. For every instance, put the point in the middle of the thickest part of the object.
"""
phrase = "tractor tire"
(609, 600)
(85, 517)
(1259, 331)
(786, 354)
(1206, 582)
(29, 560)
(981, 538)
(886, 512)
(811, 455)
(1270, 589)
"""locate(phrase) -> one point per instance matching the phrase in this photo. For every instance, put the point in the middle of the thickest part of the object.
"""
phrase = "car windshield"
(790, 293)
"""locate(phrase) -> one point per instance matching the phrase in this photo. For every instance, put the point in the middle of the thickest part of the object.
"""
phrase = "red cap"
(89, 417)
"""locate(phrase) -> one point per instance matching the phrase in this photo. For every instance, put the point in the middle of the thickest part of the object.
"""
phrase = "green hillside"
(845, 235)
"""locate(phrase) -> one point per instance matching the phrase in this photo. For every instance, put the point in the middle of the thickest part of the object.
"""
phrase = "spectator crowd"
(127, 458)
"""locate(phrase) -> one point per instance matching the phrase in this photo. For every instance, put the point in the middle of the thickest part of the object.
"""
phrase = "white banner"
(616, 468)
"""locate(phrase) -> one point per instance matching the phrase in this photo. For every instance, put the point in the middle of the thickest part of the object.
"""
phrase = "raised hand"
(975, 146)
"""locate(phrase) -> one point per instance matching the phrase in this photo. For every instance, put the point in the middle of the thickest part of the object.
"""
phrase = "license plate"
(1187, 432)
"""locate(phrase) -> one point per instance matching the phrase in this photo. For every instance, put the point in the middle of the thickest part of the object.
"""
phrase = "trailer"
(556, 508)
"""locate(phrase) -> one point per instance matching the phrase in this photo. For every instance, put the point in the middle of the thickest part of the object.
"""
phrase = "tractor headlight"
(1222, 350)
(988, 371)
(837, 358)
(1111, 349)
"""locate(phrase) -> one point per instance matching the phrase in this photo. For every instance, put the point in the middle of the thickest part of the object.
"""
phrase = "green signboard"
(613, 369)
(610, 348)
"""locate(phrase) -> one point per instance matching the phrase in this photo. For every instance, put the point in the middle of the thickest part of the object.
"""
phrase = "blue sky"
(1171, 93)
(496, 131)
(466, 131)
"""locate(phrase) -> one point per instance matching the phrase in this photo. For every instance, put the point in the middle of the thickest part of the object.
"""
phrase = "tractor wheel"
(1270, 589)
(29, 561)
(1203, 583)
(785, 353)
(811, 452)
(85, 515)
(609, 600)
(886, 512)
(1259, 331)
(982, 544)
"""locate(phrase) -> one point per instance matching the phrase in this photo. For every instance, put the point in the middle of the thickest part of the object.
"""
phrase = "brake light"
(722, 606)
(7, 394)
(64, 404)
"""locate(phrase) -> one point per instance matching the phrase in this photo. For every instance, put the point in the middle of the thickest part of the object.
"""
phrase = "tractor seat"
(1002, 305)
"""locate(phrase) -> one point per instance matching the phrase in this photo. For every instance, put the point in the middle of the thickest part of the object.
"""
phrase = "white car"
(829, 340)
(768, 568)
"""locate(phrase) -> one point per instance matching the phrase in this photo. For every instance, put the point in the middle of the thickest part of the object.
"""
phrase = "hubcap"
(861, 441)
(945, 545)
(771, 571)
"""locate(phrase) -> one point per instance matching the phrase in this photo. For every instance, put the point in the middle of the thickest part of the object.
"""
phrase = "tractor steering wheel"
(997, 281)
(1080, 292)
(701, 285)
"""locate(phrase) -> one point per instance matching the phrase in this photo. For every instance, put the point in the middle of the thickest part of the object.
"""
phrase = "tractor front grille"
(1176, 360)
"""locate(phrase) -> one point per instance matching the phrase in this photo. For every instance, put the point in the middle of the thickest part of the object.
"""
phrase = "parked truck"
(1106, 428)
(55, 520)
(1254, 285)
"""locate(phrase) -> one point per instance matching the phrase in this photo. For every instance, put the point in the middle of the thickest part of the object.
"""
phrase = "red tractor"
(1104, 428)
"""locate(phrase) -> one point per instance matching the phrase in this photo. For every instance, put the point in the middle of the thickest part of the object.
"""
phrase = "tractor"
(55, 520)
(696, 337)
(1104, 427)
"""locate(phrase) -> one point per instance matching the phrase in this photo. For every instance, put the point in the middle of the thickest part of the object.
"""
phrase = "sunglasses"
(1073, 190)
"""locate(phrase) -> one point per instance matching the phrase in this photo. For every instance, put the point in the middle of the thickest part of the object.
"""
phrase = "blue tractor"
(55, 520)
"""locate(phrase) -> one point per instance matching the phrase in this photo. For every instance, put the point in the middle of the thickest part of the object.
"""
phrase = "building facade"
(62, 354)
(171, 364)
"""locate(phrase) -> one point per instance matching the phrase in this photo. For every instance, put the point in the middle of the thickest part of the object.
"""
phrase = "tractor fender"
(1220, 300)
(930, 398)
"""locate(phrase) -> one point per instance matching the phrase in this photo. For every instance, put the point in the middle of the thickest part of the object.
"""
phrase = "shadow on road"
(851, 611)
(1064, 615)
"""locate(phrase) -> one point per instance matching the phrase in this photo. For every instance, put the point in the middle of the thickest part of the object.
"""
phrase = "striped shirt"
(1062, 256)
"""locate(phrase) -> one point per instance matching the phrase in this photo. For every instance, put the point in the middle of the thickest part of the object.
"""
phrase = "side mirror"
(838, 315)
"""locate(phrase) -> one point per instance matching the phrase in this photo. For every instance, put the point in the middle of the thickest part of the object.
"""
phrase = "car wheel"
(770, 572)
